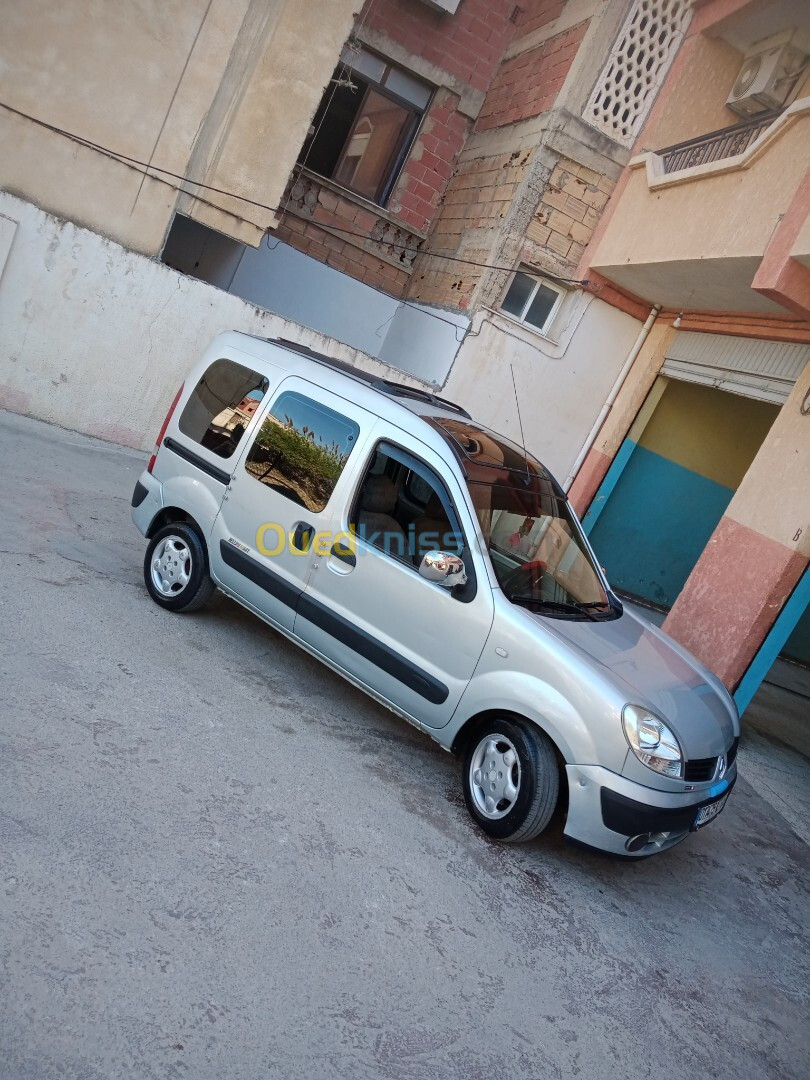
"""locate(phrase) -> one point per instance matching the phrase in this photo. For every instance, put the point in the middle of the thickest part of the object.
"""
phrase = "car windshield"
(537, 548)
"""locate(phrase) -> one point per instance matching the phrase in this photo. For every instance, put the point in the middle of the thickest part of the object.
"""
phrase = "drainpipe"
(614, 393)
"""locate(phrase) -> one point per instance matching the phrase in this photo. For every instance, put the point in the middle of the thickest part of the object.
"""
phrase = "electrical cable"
(148, 170)
(206, 202)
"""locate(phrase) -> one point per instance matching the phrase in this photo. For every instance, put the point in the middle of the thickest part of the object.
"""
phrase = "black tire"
(537, 780)
(191, 562)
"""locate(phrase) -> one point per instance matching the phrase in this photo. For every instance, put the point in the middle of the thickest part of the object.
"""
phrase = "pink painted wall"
(732, 598)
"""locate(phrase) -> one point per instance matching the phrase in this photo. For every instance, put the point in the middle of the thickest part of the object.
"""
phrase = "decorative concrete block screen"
(638, 62)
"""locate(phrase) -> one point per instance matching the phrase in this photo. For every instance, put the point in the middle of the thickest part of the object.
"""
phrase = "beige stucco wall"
(635, 389)
(774, 496)
(561, 384)
(693, 225)
(695, 95)
(271, 89)
(801, 245)
(187, 85)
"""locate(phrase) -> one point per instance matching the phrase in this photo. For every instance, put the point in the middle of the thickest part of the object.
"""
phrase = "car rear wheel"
(511, 779)
(175, 569)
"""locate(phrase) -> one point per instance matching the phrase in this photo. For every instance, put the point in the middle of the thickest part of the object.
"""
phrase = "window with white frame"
(533, 300)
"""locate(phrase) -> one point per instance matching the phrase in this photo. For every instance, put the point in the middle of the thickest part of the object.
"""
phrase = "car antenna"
(520, 422)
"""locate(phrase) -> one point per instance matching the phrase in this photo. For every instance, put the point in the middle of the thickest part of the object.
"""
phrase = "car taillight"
(163, 427)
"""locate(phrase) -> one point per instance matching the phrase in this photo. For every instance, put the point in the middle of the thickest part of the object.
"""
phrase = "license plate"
(709, 813)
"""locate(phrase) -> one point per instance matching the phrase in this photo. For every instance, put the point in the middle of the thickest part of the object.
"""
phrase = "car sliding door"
(281, 496)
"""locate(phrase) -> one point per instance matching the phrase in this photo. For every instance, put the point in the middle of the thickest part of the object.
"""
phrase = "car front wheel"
(511, 779)
(175, 569)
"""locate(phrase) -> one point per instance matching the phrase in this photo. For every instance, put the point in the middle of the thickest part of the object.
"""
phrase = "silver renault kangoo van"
(439, 567)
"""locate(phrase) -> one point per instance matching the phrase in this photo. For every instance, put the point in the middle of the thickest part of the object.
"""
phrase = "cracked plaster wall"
(97, 339)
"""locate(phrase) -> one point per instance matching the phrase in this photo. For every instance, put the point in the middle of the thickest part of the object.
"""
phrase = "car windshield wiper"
(557, 605)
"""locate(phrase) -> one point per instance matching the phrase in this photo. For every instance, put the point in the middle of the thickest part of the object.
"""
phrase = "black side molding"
(139, 494)
(254, 571)
(194, 459)
(380, 655)
(385, 658)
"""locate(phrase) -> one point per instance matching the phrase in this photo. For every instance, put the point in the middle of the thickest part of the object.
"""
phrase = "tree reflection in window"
(301, 449)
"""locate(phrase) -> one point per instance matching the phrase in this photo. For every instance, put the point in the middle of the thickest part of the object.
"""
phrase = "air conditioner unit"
(767, 76)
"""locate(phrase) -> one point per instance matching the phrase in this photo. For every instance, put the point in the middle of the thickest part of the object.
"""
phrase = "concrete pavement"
(219, 860)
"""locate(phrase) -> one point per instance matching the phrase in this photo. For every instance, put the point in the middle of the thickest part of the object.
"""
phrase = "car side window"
(403, 510)
(221, 406)
(301, 448)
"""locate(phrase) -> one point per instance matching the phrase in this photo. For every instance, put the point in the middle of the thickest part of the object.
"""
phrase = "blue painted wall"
(655, 525)
(797, 646)
(670, 484)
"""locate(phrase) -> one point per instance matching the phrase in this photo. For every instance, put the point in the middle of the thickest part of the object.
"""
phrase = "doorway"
(678, 469)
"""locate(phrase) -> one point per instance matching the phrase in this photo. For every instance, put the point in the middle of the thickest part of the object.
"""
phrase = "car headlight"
(653, 743)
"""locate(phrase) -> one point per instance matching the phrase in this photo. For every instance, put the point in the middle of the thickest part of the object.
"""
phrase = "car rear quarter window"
(221, 406)
(301, 449)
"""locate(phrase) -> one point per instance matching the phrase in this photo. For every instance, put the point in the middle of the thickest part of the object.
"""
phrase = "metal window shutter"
(765, 370)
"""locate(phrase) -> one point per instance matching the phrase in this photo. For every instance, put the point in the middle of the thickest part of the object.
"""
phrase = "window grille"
(636, 67)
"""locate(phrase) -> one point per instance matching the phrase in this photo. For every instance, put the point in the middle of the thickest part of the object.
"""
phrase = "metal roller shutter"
(765, 370)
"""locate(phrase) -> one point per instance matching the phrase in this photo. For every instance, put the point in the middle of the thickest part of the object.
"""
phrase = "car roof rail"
(385, 386)
(396, 389)
(328, 361)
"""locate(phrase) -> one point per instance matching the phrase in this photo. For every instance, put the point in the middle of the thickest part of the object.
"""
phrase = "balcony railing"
(725, 143)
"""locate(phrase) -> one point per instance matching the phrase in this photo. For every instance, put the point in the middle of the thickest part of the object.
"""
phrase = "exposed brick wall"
(568, 212)
(528, 84)
(424, 176)
(537, 13)
(467, 45)
(324, 226)
(479, 197)
(477, 201)
(466, 202)
(503, 208)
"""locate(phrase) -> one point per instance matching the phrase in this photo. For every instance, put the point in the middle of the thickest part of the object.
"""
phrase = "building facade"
(696, 488)
(448, 149)
(585, 220)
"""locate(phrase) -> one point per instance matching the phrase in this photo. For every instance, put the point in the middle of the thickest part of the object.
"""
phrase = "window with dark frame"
(400, 511)
(365, 124)
(221, 406)
(533, 300)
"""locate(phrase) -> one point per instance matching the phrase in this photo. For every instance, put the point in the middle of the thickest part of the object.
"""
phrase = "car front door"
(368, 610)
(280, 495)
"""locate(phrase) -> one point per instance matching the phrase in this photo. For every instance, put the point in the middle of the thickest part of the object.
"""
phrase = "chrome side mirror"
(443, 568)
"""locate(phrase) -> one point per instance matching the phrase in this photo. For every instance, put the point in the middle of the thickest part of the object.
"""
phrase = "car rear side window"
(301, 449)
(221, 406)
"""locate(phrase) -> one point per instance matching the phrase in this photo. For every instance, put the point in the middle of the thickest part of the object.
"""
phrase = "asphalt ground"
(218, 859)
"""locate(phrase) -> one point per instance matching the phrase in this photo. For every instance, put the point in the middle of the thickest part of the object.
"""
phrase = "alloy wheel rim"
(171, 566)
(495, 776)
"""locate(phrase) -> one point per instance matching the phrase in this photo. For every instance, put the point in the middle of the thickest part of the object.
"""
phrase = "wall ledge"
(654, 164)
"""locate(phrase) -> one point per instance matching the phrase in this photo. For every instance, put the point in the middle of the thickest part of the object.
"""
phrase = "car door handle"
(302, 535)
(345, 554)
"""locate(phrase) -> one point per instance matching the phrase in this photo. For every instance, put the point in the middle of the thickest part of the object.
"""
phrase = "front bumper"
(606, 810)
(147, 501)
